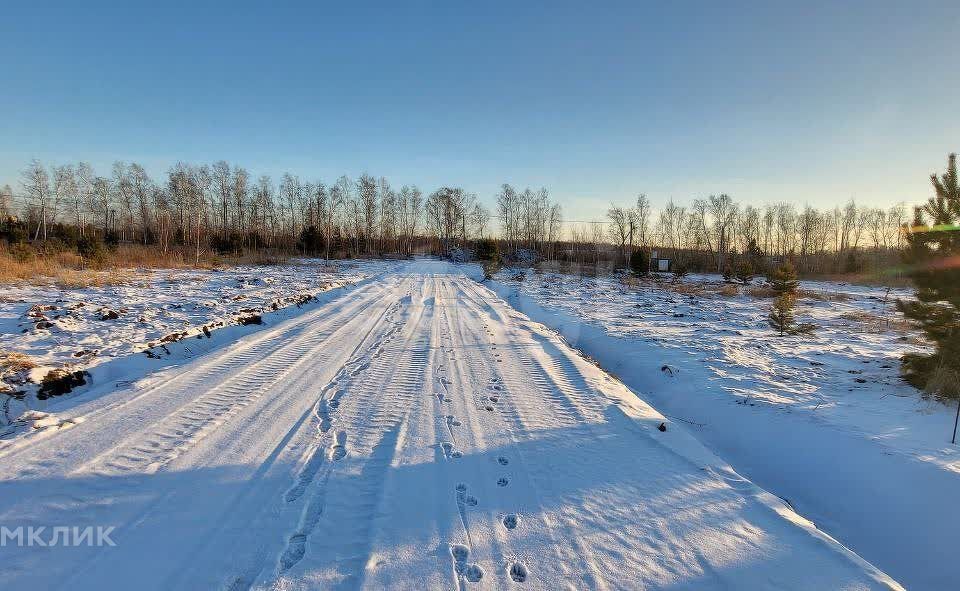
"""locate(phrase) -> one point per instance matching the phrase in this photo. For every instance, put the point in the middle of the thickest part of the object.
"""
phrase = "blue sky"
(767, 101)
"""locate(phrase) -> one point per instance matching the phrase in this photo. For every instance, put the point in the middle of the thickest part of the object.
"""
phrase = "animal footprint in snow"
(459, 553)
(452, 421)
(503, 461)
(463, 498)
(511, 521)
(473, 573)
(517, 572)
(503, 482)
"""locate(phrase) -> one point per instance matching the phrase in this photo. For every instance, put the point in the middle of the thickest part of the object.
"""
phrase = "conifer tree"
(754, 255)
(783, 279)
(744, 272)
(640, 262)
(781, 317)
(933, 259)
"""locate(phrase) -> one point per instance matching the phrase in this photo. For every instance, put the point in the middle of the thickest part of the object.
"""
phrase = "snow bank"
(822, 421)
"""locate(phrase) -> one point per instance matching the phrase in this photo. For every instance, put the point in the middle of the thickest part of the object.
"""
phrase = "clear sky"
(804, 101)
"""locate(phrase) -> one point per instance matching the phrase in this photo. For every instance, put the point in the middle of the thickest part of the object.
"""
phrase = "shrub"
(487, 250)
(22, 253)
(91, 248)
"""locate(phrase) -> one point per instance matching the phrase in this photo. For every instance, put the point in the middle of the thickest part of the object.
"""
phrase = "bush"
(744, 273)
(230, 244)
(490, 269)
(487, 250)
(91, 248)
(22, 253)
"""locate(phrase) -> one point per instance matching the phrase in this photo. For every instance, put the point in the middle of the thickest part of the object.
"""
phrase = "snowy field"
(408, 431)
(823, 420)
(119, 332)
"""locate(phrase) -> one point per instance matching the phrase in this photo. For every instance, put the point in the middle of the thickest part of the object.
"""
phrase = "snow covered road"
(414, 432)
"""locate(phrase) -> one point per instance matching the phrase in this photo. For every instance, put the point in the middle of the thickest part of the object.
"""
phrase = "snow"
(159, 304)
(409, 431)
(823, 421)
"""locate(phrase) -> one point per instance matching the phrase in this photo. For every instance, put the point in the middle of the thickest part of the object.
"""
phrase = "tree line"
(714, 229)
(220, 207)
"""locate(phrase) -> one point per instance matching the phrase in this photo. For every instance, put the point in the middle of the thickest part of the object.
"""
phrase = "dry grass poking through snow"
(12, 363)
(875, 323)
(67, 269)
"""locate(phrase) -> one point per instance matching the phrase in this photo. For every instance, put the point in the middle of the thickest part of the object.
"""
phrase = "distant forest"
(201, 209)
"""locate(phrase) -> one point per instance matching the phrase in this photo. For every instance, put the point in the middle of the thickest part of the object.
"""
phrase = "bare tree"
(223, 190)
(642, 218)
(619, 228)
(6, 203)
(240, 193)
(142, 189)
(36, 184)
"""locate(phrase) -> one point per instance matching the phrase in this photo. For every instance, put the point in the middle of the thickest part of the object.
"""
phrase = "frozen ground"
(823, 421)
(409, 431)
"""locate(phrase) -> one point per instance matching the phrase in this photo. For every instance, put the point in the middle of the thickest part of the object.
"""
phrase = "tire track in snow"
(347, 322)
(372, 327)
(377, 399)
(210, 368)
(199, 417)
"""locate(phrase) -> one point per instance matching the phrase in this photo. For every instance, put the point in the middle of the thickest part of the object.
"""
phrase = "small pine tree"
(933, 247)
(744, 272)
(640, 261)
(728, 274)
(754, 255)
(781, 317)
(783, 279)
